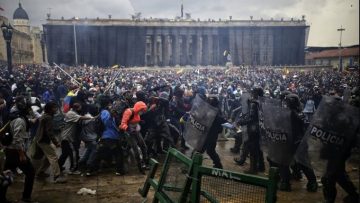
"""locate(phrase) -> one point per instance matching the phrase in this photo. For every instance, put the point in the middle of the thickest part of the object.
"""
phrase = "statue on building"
(228, 63)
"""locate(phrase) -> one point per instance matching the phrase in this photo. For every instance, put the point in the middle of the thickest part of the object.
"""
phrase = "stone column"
(216, 54)
(205, 48)
(154, 49)
(270, 60)
(184, 50)
(165, 49)
(176, 49)
(210, 49)
(148, 51)
(239, 46)
(187, 50)
(232, 43)
(199, 50)
(194, 50)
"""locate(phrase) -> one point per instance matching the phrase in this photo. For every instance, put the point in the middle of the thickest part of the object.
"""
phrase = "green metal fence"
(185, 180)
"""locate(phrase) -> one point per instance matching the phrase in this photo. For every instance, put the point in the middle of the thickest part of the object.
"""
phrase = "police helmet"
(257, 91)
(292, 101)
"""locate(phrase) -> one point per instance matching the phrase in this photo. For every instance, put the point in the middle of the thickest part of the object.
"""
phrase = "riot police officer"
(335, 169)
(292, 102)
(251, 120)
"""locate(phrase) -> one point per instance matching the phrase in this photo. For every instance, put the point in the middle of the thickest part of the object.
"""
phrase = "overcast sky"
(323, 16)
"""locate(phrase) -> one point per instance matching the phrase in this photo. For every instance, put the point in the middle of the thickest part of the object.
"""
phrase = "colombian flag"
(67, 101)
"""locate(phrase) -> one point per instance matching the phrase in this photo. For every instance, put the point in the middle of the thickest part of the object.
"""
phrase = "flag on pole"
(180, 71)
(66, 104)
(286, 71)
(67, 100)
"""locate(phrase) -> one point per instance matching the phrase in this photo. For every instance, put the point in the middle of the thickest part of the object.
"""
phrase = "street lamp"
(7, 33)
(42, 42)
(341, 29)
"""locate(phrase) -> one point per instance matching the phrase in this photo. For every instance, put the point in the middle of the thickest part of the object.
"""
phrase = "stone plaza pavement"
(123, 189)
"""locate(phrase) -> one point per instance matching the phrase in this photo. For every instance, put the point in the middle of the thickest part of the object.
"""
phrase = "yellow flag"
(180, 71)
(115, 66)
(71, 94)
(286, 71)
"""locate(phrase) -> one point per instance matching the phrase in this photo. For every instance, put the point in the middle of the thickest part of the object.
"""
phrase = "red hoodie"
(128, 113)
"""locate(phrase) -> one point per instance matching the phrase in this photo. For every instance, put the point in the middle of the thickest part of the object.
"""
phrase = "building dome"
(20, 13)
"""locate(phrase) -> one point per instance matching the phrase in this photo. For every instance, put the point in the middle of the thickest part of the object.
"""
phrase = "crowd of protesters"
(117, 111)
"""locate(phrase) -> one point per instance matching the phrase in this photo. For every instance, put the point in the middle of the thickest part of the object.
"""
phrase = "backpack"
(6, 137)
(120, 107)
(121, 115)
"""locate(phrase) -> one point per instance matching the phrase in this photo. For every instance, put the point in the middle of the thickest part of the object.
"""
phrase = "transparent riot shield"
(329, 136)
(197, 126)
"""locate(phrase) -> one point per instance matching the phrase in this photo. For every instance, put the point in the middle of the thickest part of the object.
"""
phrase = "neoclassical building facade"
(164, 42)
(26, 40)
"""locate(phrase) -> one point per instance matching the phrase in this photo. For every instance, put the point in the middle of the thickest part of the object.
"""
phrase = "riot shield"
(329, 136)
(277, 139)
(309, 107)
(266, 101)
(197, 126)
(271, 101)
(244, 102)
(347, 95)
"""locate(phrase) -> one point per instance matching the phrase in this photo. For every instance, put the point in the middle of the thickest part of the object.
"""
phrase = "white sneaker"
(19, 171)
(74, 172)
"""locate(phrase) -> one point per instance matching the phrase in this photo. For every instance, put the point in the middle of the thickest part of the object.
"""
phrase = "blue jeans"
(89, 156)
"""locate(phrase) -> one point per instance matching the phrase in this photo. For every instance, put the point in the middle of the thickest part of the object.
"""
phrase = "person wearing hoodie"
(15, 153)
(130, 124)
(109, 145)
